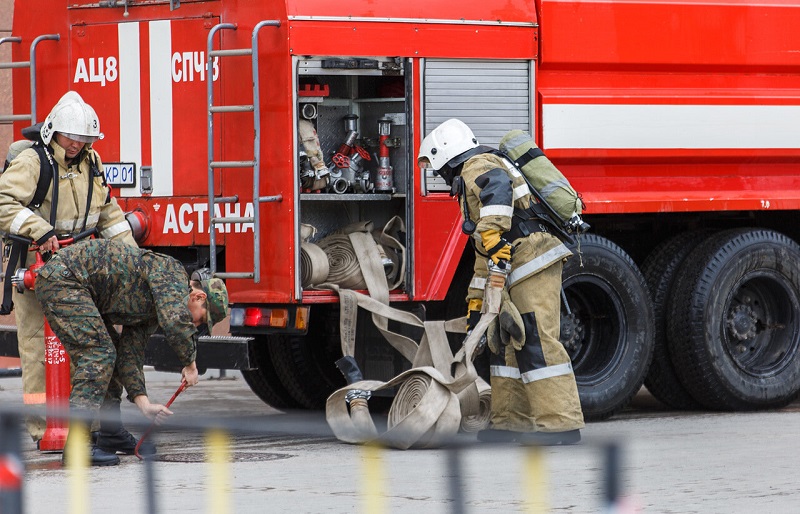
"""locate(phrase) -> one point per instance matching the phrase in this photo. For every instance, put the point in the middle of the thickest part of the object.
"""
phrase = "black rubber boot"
(113, 437)
(97, 457)
(496, 435)
(551, 438)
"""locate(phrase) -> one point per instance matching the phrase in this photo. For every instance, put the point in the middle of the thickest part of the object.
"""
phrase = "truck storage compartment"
(358, 109)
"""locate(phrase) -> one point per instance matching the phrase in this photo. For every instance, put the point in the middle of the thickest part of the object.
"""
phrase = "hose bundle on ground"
(440, 390)
(476, 418)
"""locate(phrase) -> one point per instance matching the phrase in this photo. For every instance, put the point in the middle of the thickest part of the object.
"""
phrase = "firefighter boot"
(113, 437)
(510, 416)
(72, 448)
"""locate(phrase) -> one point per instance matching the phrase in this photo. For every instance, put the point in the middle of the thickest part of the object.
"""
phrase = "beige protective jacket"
(492, 189)
(18, 185)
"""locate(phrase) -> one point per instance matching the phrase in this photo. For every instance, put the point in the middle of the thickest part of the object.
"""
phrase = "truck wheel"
(607, 328)
(263, 381)
(659, 270)
(306, 365)
(735, 321)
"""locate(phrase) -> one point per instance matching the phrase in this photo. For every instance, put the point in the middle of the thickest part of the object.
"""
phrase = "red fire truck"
(677, 121)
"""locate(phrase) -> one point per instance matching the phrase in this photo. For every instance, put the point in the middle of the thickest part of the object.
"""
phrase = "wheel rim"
(760, 327)
(596, 328)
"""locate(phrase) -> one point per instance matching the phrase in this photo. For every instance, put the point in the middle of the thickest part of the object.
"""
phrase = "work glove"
(493, 338)
(512, 329)
(496, 246)
(473, 313)
(507, 328)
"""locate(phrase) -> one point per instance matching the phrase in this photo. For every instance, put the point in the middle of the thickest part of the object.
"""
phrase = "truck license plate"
(120, 174)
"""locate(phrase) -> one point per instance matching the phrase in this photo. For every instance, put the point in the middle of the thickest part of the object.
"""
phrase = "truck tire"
(735, 321)
(607, 328)
(660, 270)
(305, 364)
(263, 380)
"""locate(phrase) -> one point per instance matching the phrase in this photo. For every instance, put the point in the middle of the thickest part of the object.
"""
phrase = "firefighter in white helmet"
(534, 394)
(83, 202)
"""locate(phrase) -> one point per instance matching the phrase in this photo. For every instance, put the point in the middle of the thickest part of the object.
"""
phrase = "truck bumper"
(213, 352)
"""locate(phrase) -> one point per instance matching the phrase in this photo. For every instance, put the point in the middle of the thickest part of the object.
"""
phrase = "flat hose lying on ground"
(440, 389)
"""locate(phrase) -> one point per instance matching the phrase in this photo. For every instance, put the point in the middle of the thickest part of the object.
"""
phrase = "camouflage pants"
(30, 336)
(92, 349)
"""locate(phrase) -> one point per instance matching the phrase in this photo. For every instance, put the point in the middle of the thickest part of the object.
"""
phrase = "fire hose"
(340, 258)
(433, 396)
(180, 389)
(439, 395)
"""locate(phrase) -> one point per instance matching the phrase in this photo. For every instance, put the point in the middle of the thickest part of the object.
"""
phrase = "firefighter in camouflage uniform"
(83, 202)
(534, 394)
(90, 287)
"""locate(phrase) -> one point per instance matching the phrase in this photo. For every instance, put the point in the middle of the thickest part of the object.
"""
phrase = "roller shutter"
(492, 97)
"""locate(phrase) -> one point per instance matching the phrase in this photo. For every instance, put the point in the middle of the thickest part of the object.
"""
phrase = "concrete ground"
(288, 462)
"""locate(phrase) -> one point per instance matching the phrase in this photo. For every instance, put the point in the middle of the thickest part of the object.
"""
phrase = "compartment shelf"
(346, 196)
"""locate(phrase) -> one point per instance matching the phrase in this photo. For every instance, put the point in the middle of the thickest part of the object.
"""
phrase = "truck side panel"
(673, 106)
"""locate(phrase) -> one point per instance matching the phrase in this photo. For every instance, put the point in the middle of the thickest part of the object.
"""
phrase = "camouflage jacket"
(135, 288)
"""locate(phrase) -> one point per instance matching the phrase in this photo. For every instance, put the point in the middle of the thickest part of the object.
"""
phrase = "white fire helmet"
(448, 140)
(73, 118)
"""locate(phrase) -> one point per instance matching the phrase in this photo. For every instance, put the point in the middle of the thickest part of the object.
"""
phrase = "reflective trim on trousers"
(548, 372)
(504, 372)
(34, 398)
(539, 263)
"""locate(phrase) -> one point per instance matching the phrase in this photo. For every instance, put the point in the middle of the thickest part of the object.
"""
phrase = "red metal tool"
(180, 389)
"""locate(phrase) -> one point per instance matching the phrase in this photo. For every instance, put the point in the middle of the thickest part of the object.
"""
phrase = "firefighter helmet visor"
(81, 138)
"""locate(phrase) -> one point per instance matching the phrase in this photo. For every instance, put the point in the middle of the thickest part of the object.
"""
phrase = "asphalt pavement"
(668, 462)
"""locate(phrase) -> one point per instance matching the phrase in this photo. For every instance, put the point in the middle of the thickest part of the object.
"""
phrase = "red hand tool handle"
(180, 389)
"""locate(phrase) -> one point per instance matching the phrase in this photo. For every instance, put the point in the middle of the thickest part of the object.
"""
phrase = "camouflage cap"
(217, 296)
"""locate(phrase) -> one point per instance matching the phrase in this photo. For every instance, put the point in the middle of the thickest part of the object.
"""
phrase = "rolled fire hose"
(436, 393)
(427, 411)
(349, 251)
(314, 265)
(344, 269)
(476, 418)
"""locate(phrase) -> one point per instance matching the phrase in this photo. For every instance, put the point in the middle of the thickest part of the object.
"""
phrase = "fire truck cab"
(679, 133)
